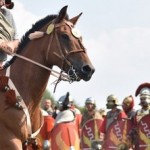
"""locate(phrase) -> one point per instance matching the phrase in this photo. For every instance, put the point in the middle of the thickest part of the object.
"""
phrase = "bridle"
(64, 54)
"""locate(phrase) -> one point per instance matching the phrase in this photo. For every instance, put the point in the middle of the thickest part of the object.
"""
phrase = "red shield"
(90, 132)
(46, 129)
(118, 135)
(64, 136)
(144, 133)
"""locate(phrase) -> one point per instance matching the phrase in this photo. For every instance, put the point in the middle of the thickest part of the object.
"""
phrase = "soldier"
(47, 106)
(90, 111)
(127, 105)
(62, 105)
(91, 137)
(142, 117)
(65, 133)
(144, 93)
(112, 115)
(66, 114)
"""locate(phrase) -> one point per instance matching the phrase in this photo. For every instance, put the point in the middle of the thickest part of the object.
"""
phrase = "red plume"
(143, 85)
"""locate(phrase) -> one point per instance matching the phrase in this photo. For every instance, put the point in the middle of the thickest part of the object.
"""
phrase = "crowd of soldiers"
(122, 129)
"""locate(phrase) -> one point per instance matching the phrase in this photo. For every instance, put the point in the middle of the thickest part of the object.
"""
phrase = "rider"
(90, 111)
(8, 37)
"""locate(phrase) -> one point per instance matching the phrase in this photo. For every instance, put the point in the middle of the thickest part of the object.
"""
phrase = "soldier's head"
(145, 97)
(47, 104)
(112, 102)
(65, 102)
(144, 93)
(128, 103)
(90, 103)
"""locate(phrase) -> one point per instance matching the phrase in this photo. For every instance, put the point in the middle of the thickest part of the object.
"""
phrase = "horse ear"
(75, 19)
(62, 14)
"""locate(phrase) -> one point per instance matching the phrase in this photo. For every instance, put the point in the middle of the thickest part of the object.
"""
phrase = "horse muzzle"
(86, 72)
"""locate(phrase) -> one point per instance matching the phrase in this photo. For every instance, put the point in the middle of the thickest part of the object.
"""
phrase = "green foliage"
(81, 108)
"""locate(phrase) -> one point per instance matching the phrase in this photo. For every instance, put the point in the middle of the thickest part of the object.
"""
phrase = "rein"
(64, 77)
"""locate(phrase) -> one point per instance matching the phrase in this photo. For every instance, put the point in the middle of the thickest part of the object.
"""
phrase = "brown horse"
(56, 43)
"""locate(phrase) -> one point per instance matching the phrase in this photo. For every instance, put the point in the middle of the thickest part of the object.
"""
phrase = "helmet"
(90, 100)
(144, 97)
(112, 98)
(144, 88)
(145, 93)
(65, 101)
(112, 101)
(128, 103)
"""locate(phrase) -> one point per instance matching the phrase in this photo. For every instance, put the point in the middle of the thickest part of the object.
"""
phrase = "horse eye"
(65, 36)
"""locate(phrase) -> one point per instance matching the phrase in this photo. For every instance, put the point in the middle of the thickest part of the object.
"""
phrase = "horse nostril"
(86, 69)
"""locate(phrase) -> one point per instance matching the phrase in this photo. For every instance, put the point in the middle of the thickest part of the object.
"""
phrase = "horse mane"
(25, 39)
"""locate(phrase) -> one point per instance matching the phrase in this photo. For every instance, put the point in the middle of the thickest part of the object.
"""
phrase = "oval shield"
(117, 135)
(90, 132)
(64, 136)
(144, 133)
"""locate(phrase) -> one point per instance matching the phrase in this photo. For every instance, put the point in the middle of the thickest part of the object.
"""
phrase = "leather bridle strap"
(62, 52)
(63, 56)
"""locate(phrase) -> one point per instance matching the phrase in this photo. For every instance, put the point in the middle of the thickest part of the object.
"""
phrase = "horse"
(51, 41)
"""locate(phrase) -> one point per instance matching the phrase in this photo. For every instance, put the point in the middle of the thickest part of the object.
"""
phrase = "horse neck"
(29, 79)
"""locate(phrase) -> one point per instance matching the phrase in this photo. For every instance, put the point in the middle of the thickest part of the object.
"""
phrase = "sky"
(116, 34)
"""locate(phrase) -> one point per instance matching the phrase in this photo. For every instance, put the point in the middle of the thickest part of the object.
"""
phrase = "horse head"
(65, 48)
